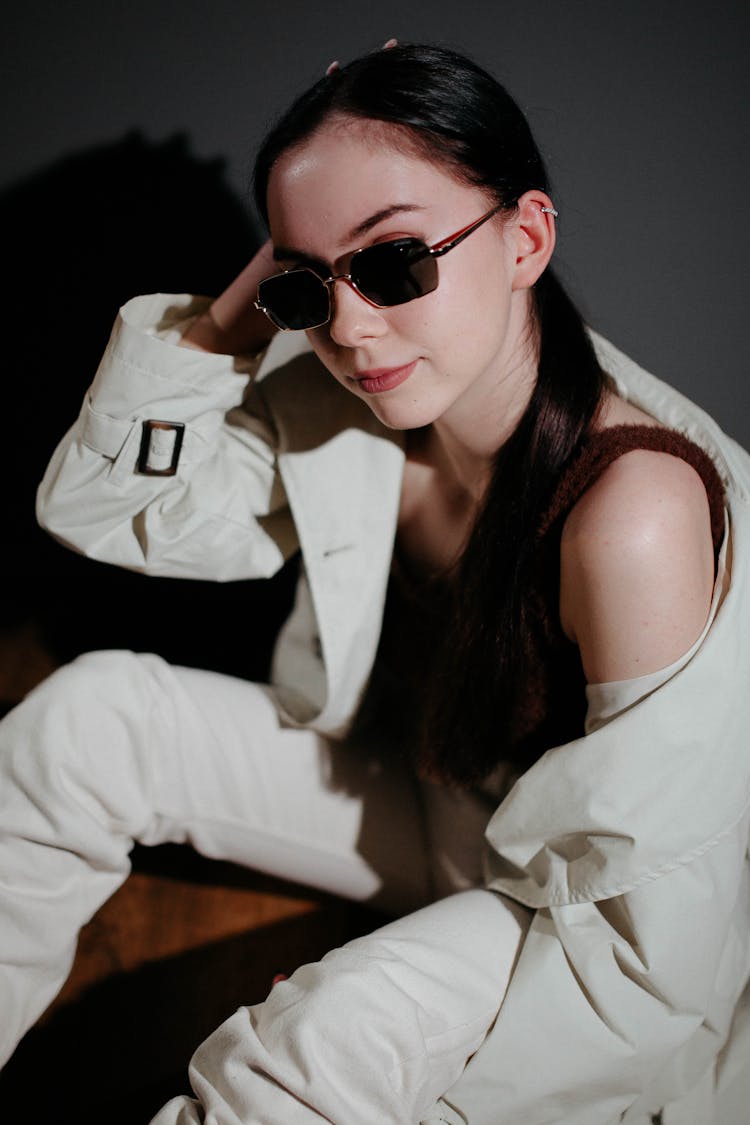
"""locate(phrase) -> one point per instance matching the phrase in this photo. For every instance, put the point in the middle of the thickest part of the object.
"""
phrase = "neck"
(464, 442)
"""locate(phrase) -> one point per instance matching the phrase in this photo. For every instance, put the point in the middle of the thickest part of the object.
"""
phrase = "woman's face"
(348, 187)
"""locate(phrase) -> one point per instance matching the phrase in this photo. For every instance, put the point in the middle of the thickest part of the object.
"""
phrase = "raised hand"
(232, 325)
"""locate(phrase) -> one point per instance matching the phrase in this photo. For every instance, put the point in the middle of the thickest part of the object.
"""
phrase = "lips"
(379, 379)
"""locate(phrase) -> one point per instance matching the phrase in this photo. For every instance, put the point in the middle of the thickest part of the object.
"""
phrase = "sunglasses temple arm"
(444, 247)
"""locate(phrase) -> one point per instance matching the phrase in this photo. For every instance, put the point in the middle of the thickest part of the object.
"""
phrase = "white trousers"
(117, 748)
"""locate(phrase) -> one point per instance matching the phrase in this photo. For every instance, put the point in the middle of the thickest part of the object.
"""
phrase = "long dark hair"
(453, 113)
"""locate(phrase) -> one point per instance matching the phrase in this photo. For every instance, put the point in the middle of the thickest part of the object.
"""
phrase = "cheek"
(475, 284)
(461, 318)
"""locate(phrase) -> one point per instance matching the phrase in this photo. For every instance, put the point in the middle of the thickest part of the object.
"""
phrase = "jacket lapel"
(341, 470)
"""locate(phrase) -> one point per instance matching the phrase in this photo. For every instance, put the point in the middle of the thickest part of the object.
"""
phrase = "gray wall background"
(641, 107)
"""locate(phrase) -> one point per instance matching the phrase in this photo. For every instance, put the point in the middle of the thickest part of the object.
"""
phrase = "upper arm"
(637, 566)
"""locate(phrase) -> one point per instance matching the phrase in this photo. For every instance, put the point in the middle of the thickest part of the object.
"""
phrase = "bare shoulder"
(637, 566)
(652, 487)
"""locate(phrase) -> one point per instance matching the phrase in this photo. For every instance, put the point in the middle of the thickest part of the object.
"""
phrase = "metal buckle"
(161, 443)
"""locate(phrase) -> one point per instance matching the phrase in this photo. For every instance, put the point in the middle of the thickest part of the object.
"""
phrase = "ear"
(535, 238)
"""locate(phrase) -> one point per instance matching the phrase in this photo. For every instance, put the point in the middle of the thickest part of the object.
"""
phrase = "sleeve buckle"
(161, 443)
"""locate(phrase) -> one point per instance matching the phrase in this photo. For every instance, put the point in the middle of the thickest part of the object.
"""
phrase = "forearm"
(375, 1032)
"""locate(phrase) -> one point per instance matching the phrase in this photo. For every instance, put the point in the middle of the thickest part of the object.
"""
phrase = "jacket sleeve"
(223, 514)
(631, 846)
(617, 1008)
(370, 1034)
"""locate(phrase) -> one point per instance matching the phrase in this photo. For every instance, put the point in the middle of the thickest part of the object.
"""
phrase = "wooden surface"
(160, 915)
(175, 952)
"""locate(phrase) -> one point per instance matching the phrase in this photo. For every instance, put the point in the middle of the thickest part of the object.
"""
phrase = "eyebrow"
(288, 252)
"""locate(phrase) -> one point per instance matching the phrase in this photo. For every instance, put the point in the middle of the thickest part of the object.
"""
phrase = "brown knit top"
(551, 708)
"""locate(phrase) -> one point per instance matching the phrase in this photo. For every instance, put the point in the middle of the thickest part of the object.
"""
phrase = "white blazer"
(630, 843)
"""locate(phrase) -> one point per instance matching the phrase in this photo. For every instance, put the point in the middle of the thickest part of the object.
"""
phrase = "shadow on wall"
(81, 237)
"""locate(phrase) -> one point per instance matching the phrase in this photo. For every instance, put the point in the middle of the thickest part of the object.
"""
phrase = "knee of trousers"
(79, 749)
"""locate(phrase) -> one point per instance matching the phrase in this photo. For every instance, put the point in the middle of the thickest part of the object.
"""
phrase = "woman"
(516, 596)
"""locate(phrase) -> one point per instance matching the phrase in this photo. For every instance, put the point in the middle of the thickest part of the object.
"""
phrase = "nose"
(353, 318)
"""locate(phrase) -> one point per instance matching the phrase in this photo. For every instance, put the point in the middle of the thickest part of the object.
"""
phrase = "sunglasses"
(386, 274)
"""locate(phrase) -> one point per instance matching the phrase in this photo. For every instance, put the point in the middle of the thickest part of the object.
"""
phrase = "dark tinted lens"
(295, 300)
(393, 273)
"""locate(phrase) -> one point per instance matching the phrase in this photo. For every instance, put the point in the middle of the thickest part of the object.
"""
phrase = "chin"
(403, 415)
